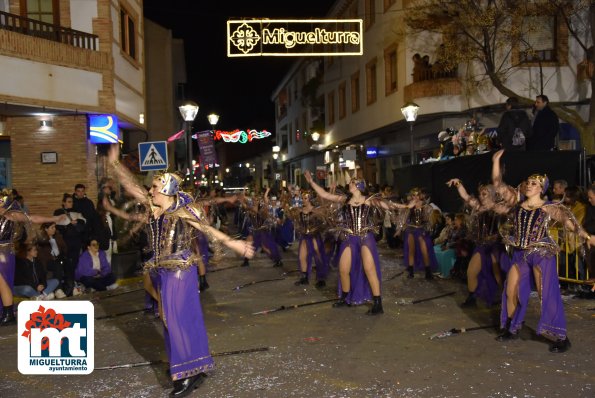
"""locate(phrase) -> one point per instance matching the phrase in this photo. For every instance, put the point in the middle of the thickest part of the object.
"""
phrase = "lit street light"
(188, 110)
(213, 118)
(409, 111)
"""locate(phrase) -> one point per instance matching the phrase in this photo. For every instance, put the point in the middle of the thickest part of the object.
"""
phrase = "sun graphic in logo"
(245, 38)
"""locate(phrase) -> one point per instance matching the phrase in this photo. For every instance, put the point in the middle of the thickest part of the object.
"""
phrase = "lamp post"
(213, 118)
(409, 111)
(188, 110)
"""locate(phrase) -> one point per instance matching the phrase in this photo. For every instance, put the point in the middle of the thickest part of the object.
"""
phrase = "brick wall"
(42, 185)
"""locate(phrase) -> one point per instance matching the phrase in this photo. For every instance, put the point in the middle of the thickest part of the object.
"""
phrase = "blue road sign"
(152, 155)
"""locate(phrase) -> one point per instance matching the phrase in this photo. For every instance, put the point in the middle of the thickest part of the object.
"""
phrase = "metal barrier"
(575, 269)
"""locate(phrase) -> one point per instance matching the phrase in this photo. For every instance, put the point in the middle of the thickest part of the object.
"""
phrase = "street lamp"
(213, 118)
(188, 110)
(276, 150)
(315, 136)
(409, 111)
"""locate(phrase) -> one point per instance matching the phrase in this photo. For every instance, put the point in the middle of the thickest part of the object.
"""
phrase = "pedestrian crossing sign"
(152, 155)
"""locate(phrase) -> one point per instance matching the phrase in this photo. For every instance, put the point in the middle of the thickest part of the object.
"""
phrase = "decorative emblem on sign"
(245, 38)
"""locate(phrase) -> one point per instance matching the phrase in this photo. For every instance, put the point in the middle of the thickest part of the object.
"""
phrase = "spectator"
(30, 279)
(52, 254)
(545, 127)
(558, 189)
(388, 227)
(82, 204)
(104, 230)
(73, 236)
(93, 269)
(514, 121)
(589, 225)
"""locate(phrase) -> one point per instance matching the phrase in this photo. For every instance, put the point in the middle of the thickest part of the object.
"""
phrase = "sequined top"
(530, 230)
(356, 220)
(306, 223)
(484, 227)
(170, 237)
(419, 217)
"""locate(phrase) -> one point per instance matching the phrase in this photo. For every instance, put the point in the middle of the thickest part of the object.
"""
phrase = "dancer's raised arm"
(320, 191)
(125, 177)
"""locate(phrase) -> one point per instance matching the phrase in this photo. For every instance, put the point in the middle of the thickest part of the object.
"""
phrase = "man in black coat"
(513, 118)
(545, 126)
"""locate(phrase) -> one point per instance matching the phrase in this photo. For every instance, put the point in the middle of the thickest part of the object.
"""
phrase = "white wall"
(82, 13)
(36, 80)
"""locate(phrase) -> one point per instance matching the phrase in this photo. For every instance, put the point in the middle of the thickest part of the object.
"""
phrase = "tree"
(492, 39)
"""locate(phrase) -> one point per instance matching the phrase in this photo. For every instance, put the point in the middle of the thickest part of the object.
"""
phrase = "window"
(290, 134)
(388, 3)
(370, 16)
(330, 103)
(539, 38)
(371, 81)
(127, 33)
(342, 100)
(390, 70)
(41, 10)
(355, 92)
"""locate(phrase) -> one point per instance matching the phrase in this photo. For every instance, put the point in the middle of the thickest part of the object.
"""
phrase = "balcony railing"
(48, 31)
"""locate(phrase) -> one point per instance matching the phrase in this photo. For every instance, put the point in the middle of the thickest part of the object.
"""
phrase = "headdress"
(543, 181)
(170, 182)
(359, 184)
(415, 191)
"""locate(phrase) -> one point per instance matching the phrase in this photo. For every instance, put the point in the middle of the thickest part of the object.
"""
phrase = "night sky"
(238, 89)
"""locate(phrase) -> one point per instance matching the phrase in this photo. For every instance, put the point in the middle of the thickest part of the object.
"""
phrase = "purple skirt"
(418, 263)
(7, 266)
(487, 287)
(203, 248)
(184, 329)
(360, 287)
(266, 239)
(322, 263)
(552, 322)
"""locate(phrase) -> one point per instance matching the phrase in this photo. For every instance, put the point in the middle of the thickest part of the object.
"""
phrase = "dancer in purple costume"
(172, 219)
(309, 222)
(417, 240)
(534, 253)
(359, 264)
(258, 214)
(9, 217)
(484, 276)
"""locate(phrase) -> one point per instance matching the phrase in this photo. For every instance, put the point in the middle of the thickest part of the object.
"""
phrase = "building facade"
(362, 96)
(66, 59)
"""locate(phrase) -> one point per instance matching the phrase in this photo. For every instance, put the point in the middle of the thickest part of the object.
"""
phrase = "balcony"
(56, 33)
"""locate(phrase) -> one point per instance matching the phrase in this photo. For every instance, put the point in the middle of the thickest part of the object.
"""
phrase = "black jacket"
(545, 130)
(508, 123)
(29, 273)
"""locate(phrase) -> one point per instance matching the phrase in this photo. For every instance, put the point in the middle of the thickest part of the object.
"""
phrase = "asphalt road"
(320, 351)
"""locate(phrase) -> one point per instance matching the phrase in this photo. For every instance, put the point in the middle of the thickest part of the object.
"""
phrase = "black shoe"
(303, 281)
(246, 263)
(560, 346)
(186, 386)
(471, 302)
(341, 303)
(429, 275)
(376, 307)
(202, 283)
(8, 317)
(507, 335)
(409, 272)
(278, 263)
(320, 284)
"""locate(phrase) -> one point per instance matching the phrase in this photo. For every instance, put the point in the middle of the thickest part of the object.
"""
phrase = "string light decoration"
(240, 136)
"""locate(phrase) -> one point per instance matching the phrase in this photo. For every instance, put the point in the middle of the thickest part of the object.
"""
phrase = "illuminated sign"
(241, 136)
(294, 38)
(371, 152)
(103, 129)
